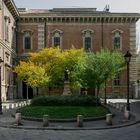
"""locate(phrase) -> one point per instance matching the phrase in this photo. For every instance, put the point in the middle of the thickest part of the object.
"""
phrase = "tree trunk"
(97, 95)
(98, 90)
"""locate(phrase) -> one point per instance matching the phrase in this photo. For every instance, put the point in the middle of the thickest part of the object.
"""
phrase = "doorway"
(27, 92)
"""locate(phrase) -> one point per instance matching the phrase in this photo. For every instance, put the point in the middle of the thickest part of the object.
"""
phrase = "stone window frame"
(87, 33)
(27, 33)
(57, 33)
(117, 33)
(7, 22)
(7, 57)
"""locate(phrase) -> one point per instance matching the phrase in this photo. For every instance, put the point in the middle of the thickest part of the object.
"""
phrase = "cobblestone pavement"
(126, 133)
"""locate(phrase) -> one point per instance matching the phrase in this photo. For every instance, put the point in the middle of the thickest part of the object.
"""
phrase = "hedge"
(65, 101)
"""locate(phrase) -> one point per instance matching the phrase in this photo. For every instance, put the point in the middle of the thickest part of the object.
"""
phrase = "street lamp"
(0, 88)
(127, 57)
(105, 89)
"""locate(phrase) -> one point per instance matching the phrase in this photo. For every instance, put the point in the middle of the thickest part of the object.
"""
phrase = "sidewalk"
(118, 121)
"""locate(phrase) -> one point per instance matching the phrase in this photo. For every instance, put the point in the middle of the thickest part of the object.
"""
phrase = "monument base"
(66, 88)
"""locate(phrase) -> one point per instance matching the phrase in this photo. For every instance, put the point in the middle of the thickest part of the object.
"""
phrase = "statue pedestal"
(66, 88)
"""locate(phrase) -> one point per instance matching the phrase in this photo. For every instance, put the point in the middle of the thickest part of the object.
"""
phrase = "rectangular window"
(6, 31)
(27, 42)
(7, 76)
(116, 81)
(56, 41)
(87, 43)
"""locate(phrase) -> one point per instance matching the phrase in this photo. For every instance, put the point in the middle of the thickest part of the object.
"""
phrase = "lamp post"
(105, 93)
(0, 88)
(105, 89)
(127, 57)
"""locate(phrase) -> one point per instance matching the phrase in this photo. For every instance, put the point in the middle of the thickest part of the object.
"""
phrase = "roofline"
(100, 14)
(15, 13)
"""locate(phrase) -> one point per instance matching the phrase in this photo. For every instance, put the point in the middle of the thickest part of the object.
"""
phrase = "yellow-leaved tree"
(31, 74)
(46, 68)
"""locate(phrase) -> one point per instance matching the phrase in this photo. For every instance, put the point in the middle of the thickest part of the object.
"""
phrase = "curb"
(62, 120)
(59, 128)
(133, 121)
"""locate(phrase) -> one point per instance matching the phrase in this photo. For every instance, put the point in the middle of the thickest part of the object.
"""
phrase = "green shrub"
(65, 101)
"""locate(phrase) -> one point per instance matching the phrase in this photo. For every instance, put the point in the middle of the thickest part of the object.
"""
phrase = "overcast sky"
(115, 5)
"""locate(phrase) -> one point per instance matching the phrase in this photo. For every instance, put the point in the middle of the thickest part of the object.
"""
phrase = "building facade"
(66, 27)
(8, 17)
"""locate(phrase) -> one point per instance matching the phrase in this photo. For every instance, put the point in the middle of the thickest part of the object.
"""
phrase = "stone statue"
(66, 90)
(66, 74)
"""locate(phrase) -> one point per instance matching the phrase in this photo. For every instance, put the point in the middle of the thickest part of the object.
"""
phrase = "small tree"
(95, 69)
(109, 64)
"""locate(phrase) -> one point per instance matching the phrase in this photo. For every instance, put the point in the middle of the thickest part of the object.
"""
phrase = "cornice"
(96, 13)
(66, 15)
(82, 18)
(12, 8)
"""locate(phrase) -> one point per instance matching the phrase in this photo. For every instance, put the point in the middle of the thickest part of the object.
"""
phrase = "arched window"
(117, 39)
(87, 39)
(27, 39)
(57, 38)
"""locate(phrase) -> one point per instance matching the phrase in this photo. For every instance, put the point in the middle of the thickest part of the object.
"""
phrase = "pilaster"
(133, 66)
(41, 35)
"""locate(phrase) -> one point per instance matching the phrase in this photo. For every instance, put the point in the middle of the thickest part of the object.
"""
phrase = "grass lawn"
(62, 112)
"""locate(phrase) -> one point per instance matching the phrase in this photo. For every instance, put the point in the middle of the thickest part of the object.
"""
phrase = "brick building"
(80, 27)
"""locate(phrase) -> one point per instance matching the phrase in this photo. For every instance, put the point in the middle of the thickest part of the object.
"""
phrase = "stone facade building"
(8, 17)
(65, 27)
(137, 84)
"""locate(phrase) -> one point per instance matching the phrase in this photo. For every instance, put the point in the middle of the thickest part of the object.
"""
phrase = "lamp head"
(127, 57)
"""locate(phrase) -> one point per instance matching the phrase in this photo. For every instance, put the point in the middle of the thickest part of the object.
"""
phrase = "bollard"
(117, 105)
(4, 107)
(80, 120)
(21, 104)
(24, 103)
(125, 108)
(109, 103)
(29, 102)
(127, 115)
(10, 106)
(121, 107)
(114, 105)
(45, 120)
(18, 118)
(109, 119)
(15, 105)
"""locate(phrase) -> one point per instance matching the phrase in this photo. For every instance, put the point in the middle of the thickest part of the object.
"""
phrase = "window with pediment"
(87, 39)
(117, 39)
(27, 41)
(57, 38)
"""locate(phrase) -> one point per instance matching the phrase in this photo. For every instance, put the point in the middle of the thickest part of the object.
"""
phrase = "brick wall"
(72, 35)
